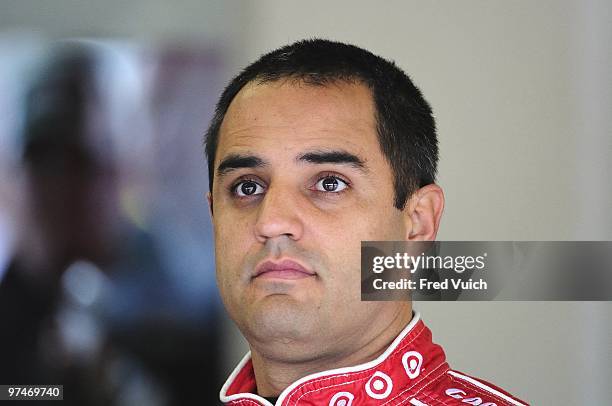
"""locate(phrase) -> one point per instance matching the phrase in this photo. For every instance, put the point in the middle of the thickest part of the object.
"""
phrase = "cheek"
(231, 227)
(341, 238)
(228, 256)
(231, 244)
(369, 223)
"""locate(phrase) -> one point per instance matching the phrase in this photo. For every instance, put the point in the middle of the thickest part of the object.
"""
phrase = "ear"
(210, 204)
(423, 212)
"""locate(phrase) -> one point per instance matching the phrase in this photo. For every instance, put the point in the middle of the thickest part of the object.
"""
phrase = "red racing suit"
(412, 371)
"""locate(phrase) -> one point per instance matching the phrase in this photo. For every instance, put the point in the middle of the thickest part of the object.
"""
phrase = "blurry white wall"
(522, 92)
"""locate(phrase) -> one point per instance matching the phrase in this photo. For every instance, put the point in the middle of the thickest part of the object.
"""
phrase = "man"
(314, 148)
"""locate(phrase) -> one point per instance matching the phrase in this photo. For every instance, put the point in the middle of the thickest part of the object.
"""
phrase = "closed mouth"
(285, 269)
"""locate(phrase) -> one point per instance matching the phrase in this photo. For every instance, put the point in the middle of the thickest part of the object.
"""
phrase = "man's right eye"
(247, 188)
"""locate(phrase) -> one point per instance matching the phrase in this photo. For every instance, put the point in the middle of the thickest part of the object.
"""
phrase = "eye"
(331, 184)
(247, 188)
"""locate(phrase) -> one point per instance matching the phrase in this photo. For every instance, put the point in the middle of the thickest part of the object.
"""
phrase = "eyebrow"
(233, 162)
(333, 157)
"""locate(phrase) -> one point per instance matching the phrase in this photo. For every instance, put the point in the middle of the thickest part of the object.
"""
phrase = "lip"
(286, 269)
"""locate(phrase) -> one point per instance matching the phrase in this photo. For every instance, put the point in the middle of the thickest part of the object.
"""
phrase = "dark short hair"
(405, 124)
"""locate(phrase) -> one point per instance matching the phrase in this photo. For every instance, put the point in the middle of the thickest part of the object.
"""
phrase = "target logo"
(412, 361)
(379, 386)
(342, 399)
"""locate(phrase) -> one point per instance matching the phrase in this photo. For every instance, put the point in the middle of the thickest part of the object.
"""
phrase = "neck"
(273, 375)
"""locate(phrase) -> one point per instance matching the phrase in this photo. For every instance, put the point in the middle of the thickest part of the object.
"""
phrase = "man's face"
(299, 182)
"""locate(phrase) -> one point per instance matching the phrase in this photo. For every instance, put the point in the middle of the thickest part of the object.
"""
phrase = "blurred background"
(106, 258)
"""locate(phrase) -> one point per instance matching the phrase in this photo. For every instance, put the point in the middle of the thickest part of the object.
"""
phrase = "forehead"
(292, 115)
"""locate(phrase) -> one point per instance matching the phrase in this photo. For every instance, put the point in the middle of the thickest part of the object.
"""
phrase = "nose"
(279, 215)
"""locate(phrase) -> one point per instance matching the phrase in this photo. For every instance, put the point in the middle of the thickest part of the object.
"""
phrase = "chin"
(280, 318)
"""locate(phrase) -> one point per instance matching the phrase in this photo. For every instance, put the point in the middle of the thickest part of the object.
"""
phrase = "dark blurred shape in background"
(108, 288)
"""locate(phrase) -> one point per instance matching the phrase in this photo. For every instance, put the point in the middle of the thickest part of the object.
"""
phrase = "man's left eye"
(330, 184)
